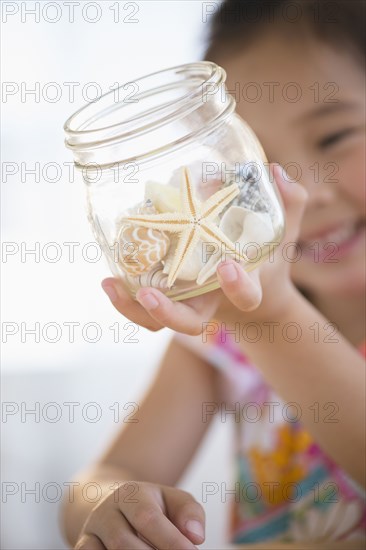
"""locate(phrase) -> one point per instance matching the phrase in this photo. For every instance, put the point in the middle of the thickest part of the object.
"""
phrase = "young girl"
(281, 345)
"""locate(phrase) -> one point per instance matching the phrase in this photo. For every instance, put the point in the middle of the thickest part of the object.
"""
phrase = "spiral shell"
(142, 248)
(155, 277)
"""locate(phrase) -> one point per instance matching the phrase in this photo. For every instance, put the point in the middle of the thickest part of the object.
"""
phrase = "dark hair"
(238, 23)
(336, 22)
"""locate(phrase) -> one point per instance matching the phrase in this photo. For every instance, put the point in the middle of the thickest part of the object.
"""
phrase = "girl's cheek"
(351, 176)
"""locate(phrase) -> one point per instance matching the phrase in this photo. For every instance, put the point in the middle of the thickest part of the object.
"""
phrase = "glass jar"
(176, 181)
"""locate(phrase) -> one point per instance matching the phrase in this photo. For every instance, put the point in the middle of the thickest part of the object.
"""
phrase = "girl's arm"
(312, 374)
(322, 374)
(158, 447)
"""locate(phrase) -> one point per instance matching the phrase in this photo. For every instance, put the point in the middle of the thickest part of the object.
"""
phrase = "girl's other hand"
(136, 516)
(262, 293)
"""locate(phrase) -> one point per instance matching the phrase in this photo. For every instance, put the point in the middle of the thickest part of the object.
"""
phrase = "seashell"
(135, 209)
(208, 188)
(142, 248)
(143, 207)
(241, 226)
(257, 229)
(165, 198)
(147, 207)
(251, 197)
(250, 178)
(154, 277)
(190, 268)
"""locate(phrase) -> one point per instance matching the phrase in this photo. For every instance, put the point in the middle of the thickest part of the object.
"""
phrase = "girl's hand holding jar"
(258, 295)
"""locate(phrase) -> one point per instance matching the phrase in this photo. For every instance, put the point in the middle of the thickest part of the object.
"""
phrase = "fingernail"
(148, 301)
(110, 292)
(196, 528)
(228, 273)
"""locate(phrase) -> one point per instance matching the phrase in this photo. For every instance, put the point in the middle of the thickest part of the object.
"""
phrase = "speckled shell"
(142, 248)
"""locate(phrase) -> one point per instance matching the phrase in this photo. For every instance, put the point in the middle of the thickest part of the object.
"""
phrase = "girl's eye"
(332, 139)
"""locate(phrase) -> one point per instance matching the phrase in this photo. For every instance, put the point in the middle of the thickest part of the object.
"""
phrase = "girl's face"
(305, 101)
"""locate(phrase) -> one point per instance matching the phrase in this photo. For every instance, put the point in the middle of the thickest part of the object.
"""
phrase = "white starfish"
(194, 222)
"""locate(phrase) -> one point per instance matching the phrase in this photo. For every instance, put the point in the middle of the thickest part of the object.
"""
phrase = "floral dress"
(287, 489)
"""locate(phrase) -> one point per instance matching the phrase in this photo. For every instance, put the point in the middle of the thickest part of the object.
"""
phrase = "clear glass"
(176, 181)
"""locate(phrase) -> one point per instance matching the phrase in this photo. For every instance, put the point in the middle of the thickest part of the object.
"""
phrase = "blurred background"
(71, 368)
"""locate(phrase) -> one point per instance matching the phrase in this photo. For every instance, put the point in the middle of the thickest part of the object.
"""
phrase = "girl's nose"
(321, 188)
(321, 194)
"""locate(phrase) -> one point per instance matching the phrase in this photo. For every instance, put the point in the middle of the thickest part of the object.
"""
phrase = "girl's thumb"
(294, 197)
(186, 513)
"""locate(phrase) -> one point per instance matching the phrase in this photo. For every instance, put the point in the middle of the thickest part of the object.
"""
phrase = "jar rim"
(203, 77)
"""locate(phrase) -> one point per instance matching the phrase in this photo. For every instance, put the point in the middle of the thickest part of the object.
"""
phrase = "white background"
(37, 290)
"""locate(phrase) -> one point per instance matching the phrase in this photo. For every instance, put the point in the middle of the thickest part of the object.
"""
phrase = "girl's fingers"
(186, 513)
(154, 310)
(243, 289)
(127, 306)
(89, 542)
(148, 519)
(117, 534)
(178, 316)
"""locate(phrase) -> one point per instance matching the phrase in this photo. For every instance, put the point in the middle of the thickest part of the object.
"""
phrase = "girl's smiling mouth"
(342, 236)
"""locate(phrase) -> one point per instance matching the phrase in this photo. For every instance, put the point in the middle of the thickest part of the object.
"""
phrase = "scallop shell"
(154, 277)
(241, 226)
(142, 248)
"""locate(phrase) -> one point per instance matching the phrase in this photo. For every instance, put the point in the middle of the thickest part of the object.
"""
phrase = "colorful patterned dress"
(287, 489)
